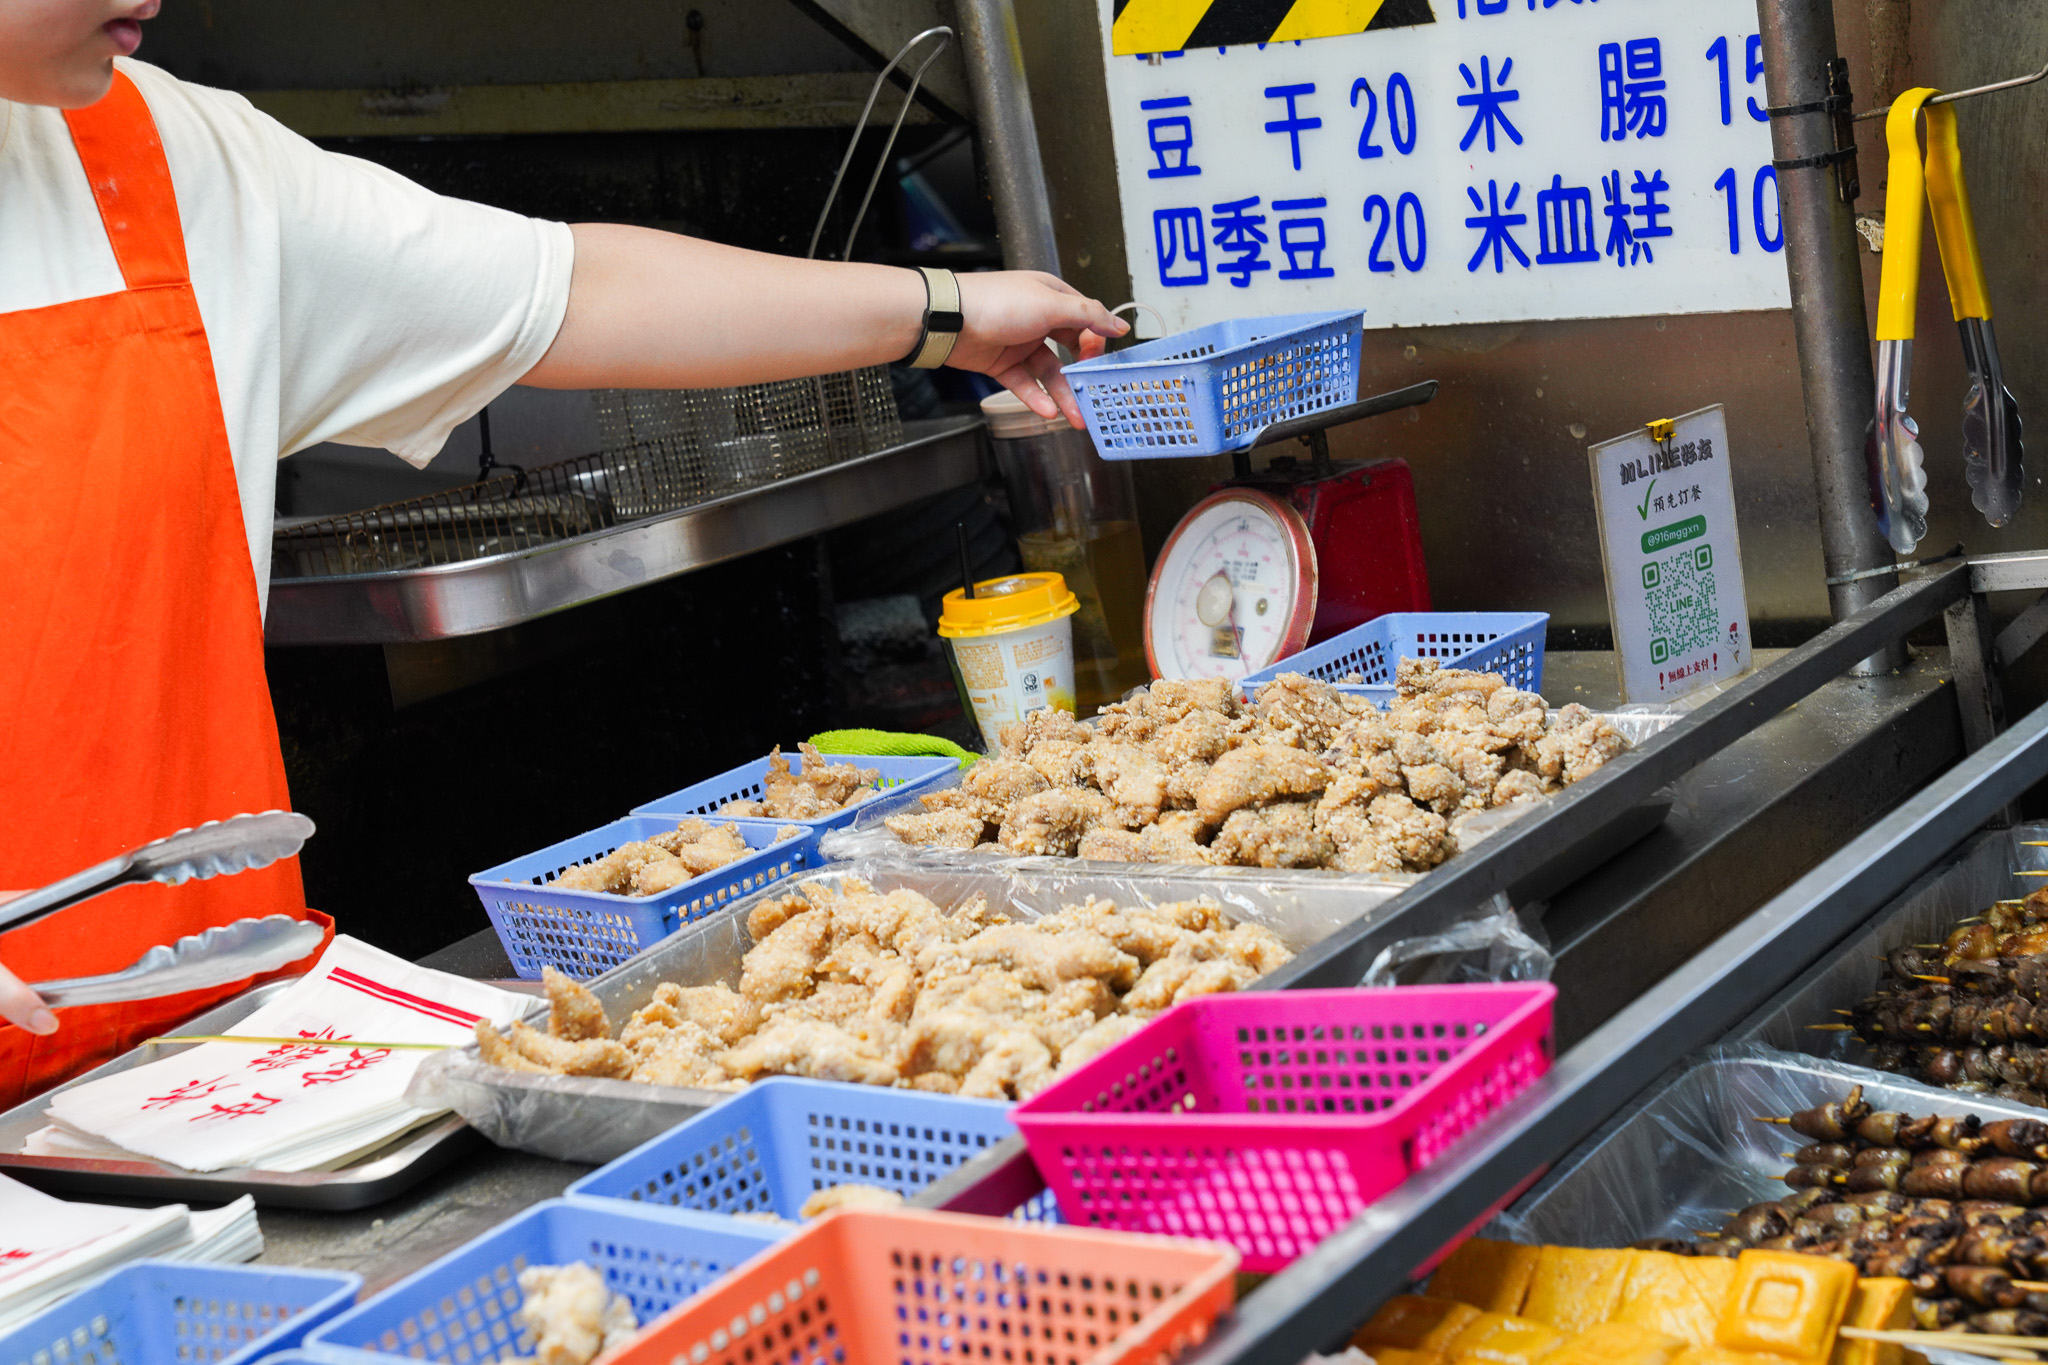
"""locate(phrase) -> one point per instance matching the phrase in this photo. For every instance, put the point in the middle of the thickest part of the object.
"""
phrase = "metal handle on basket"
(860, 126)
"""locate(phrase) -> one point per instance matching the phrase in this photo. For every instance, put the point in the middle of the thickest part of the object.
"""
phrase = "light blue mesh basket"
(1211, 390)
(895, 775)
(460, 1308)
(179, 1313)
(1509, 643)
(585, 933)
(769, 1148)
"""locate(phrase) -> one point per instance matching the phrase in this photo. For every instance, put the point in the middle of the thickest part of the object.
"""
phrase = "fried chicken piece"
(591, 1057)
(765, 918)
(1255, 947)
(1146, 937)
(1106, 1034)
(1114, 846)
(1474, 758)
(1184, 785)
(1019, 738)
(985, 988)
(572, 1316)
(1129, 776)
(1435, 786)
(1045, 960)
(1176, 837)
(1577, 744)
(783, 965)
(934, 1082)
(1192, 915)
(1215, 977)
(945, 1042)
(745, 810)
(1416, 835)
(1298, 710)
(1071, 1011)
(1001, 783)
(1255, 774)
(1053, 821)
(1198, 737)
(1171, 700)
(1014, 1065)
(573, 1012)
(679, 1056)
(712, 850)
(1516, 716)
(1420, 678)
(887, 919)
(807, 1047)
(850, 1196)
(1282, 834)
(843, 784)
(1519, 784)
(655, 876)
(842, 1004)
(613, 873)
(497, 1050)
(940, 828)
(1058, 761)
(723, 1012)
(1155, 989)
(1361, 847)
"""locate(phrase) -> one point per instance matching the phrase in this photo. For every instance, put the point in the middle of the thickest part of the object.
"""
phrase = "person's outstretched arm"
(655, 310)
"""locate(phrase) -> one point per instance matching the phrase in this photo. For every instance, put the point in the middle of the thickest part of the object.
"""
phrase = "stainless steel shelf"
(447, 600)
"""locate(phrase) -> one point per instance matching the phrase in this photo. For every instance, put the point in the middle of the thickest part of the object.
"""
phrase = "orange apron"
(133, 700)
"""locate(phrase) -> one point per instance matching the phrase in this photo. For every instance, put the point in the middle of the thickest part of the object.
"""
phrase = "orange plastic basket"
(863, 1286)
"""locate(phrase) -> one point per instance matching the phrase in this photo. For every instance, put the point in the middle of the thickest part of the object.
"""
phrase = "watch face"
(1234, 590)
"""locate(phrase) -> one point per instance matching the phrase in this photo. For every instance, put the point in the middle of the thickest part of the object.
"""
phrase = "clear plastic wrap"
(1499, 945)
(1986, 869)
(1690, 1153)
(585, 1119)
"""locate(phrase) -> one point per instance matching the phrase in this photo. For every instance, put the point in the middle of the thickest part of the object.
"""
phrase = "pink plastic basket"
(1268, 1119)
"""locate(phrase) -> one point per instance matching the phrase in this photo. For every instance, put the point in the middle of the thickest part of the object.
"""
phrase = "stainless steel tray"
(575, 1118)
(1689, 1154)
(405, 1161)
(1983, 870)
(867, 838)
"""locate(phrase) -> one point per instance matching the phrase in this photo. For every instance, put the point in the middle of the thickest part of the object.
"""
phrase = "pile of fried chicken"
(1305, 776)
(648, 867)
(888, 989)
(819, 789)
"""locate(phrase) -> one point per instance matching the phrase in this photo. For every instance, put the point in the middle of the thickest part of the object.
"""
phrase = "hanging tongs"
(1991, 416)
(1898, 478)
(231, 952)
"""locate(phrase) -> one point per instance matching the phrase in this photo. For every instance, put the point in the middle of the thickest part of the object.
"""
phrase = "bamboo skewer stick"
(1969, 1343)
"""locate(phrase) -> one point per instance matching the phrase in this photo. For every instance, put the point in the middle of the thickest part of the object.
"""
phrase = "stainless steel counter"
(446, 600)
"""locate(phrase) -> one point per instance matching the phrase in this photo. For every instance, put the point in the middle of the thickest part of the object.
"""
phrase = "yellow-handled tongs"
(1991, 416)
(1991, 419)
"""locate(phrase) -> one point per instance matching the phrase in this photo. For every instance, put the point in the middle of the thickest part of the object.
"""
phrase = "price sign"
(1674, 567)
(1448, 161)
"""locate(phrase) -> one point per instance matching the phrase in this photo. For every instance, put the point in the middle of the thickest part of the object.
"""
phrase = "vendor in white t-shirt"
(189, 291)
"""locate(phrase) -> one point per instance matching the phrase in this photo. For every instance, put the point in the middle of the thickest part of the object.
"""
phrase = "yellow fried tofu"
(1880, 1303)
(1721, 1355)
(1394, 1355)
(1501, 1339)
(1662, 1294)
(1574, 1288)
(1413, 1323)
(1617, 1343)
(1493, 1276)
(1714, 1277)
(1787, 1304)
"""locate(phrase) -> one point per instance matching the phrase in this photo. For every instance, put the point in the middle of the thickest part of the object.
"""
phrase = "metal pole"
(994, 60)
(1828, 318)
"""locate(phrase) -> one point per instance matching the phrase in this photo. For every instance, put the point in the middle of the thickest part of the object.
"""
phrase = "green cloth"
(893, 743)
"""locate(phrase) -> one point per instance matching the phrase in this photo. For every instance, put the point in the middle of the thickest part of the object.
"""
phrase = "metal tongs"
(230, 952)
(1991, 417)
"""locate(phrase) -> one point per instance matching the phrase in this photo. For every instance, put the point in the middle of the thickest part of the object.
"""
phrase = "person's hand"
(1009, 315)
(23, 1007)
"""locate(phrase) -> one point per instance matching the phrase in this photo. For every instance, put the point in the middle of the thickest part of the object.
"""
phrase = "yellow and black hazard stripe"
(1172, 25)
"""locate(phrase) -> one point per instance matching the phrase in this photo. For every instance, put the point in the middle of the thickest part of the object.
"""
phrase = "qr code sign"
(1685, 614)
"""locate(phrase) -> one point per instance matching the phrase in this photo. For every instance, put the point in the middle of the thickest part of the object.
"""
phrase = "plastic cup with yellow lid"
(1012, 647)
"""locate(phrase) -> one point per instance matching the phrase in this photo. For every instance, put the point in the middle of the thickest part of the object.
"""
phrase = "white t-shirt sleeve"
(402, 311)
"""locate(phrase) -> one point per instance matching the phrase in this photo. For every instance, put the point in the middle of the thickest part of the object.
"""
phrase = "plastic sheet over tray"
(868, 839)
(1986, 869)
(1691, 1153)
(573, 1118)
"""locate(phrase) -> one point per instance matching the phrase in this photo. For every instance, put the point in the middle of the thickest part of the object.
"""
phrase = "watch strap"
(942, 320)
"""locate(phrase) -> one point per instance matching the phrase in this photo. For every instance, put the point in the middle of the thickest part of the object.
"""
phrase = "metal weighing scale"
(1269, 562)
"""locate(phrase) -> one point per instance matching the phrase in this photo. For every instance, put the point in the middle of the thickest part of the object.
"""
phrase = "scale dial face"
(1234, 589)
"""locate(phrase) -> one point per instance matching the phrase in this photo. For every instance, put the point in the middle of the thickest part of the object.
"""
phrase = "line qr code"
(1685, 613)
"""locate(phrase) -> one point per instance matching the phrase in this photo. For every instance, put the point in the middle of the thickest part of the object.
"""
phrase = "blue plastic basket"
(584, 933)
(707, 798)
(1509, 643)
(178, 1313)
(770, 1147)
(1212, 390)
(460, 1308)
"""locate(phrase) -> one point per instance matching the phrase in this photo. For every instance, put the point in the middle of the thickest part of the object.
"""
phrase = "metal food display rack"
(491, 556)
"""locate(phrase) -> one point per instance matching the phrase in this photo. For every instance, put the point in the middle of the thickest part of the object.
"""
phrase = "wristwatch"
(942, 320)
